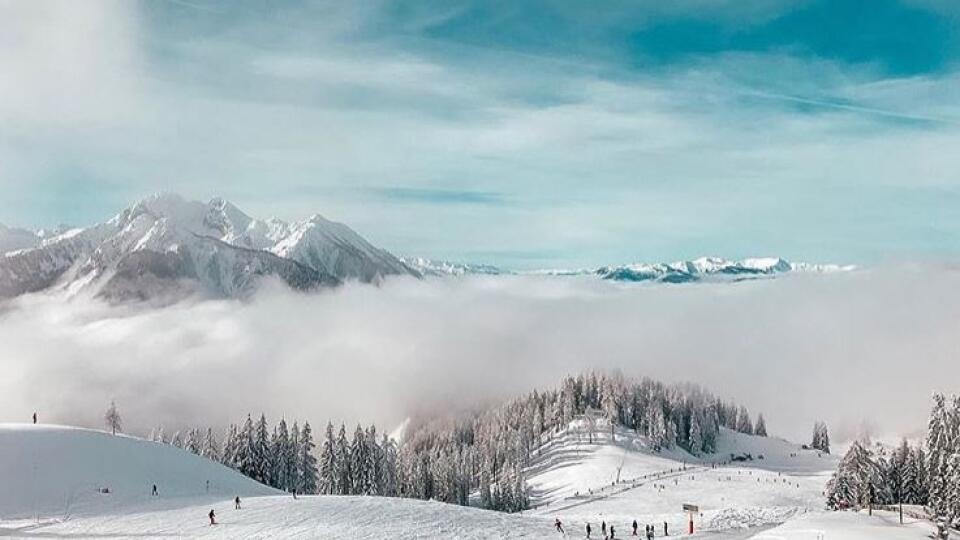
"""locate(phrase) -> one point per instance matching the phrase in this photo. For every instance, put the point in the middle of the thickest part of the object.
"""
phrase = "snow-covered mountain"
(167, 246)
(431, 267)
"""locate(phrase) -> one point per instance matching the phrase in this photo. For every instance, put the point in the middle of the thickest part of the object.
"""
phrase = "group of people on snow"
(609, 533)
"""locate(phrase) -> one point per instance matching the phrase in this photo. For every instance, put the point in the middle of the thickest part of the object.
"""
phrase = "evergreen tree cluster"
(282, 458)
(914, 475)
(821, 438)
(870, 474)
(363, 465)
(447, 458)
(943, 458)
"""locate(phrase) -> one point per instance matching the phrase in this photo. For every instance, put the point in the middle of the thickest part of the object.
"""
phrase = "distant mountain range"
(168, 247)
(702, 269)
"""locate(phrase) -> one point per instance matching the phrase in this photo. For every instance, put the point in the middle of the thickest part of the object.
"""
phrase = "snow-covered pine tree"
(344, 475)
(761, 427)
(390, 485)
(374, 463)
(176, 440)
(857, 478)
(939, 448)
(308, 463)
(744, 425)
(262, 456)
(112, 418)
(280, 443)
(294, 467)
(193, 441)
(246, 456)
(358, 463)
(695, 438)
(328, 463)
(210, 448)
(230, 447)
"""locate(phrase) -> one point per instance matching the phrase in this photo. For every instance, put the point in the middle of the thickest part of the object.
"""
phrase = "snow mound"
(60, 471)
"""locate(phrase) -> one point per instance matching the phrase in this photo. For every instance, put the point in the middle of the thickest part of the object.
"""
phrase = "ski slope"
(56, 471)
(577, 481)
(52, 476)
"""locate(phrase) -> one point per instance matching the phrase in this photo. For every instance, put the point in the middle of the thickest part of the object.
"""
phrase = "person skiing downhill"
(34, 418)
(611, 532)
(212, 516)
(665, 533)
(559, 526)
(154, 492)
(634, 527)
(603, 528)
(236, 503)
(588, 530)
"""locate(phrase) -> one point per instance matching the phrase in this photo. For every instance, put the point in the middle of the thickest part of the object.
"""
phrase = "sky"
(855, 349)
(525, 134)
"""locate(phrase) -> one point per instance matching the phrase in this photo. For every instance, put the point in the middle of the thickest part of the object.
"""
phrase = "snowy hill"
(52, 471)
(165, 245)
(624, 479)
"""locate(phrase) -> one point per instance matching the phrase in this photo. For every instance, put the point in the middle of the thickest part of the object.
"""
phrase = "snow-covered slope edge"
(57, 470)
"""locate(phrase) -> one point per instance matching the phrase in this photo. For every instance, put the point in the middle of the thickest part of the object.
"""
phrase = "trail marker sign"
(691, 509)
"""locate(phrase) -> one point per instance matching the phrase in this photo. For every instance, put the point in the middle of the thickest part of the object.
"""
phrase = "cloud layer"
(869, 345)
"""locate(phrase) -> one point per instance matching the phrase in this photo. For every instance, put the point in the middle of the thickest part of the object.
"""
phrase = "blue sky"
(520, 133)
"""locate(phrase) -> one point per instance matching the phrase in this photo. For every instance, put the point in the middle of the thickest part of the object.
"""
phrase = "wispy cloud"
(439, 196)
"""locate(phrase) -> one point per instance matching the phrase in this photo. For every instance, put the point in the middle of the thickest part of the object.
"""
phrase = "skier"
(634, 527)
(665, 533)
(236, 503)
(603, 529)
(154, 492)
(588, 530)
(650, 533)
(294, 493)
(558, 525)
(34, 418)
(611, 532)
(212, 516)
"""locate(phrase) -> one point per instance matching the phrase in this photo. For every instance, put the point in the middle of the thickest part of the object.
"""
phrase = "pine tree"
(210, 448)
(744, 425)
(308, 463)
(328, 463)
(176, 440)
(374, 462)
(358, 463)
(761, 428)
(695, 439)
(939, 448)
(246, 455)
(230, 454)
(262, 457)
(344, 475)
(112, 418)
(294, 467)
(280, 443)
(193, 442)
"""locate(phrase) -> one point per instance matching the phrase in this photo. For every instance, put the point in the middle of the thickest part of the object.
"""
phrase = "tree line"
(485, 452)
